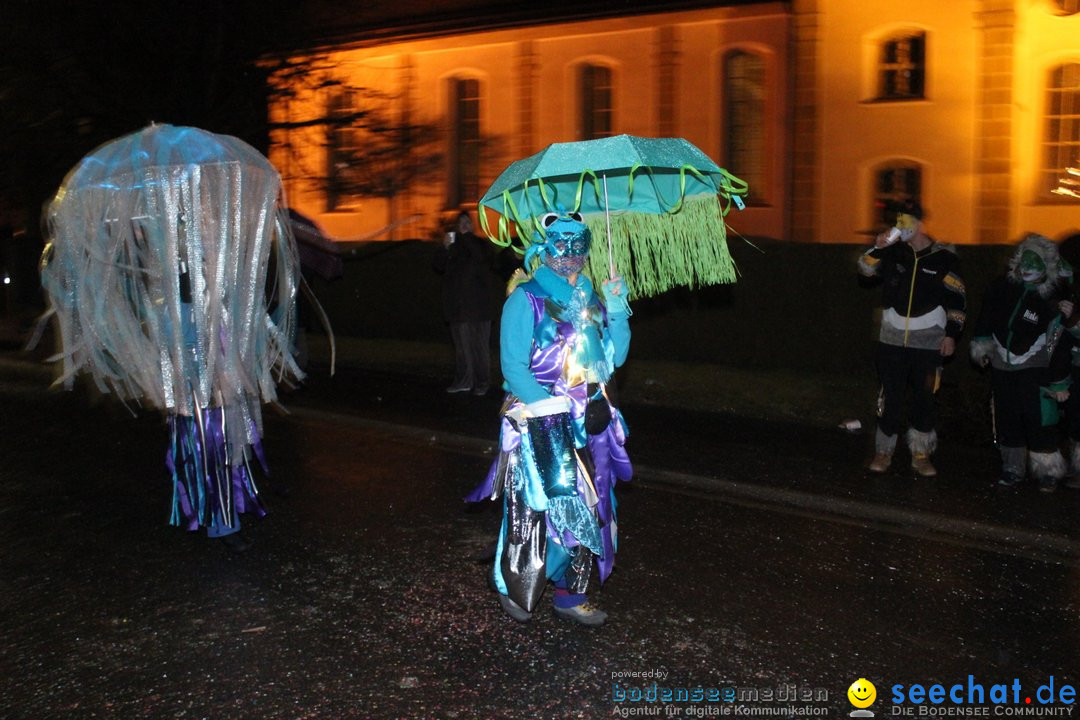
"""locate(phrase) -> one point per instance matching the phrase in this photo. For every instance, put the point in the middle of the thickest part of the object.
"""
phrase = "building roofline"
(497, 16)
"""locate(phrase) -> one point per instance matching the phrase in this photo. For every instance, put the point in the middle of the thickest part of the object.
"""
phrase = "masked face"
(908, 225)
(567, 265)
(1032, 267)
(567, 243)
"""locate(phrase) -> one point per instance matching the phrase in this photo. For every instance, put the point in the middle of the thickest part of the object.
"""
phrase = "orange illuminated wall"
(667, 74)
(975, 136)
(838, 120)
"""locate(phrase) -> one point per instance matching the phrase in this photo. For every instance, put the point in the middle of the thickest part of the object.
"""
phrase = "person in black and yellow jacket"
(1018, 335)
(923, 301)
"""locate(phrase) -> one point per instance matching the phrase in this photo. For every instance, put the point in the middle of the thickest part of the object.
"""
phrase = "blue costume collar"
(558, 288)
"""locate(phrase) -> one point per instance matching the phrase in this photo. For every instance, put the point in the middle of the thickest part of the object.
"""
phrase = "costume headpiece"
(564, 244)
(1033, 250)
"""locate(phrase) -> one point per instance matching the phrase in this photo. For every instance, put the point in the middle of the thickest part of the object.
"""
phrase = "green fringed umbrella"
(660, 202)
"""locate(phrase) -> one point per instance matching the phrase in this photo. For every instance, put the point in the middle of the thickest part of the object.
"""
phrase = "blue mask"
(566, 243)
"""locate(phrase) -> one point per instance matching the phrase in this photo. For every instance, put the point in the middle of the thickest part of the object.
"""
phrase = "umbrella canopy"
(662, 199)
(161, 243)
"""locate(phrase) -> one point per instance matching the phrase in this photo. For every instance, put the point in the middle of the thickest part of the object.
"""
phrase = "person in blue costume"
(173, 274)
(562, 442)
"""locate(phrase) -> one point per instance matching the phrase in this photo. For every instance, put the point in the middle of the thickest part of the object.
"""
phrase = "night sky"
(76, 74)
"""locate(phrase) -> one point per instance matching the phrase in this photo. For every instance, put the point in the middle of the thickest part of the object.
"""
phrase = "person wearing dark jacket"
(1069, 249)
(923, 302)
(1018, 335)
(467, 295)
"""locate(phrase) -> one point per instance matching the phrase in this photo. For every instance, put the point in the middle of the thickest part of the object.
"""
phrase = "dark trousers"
(472, 353)
(901, 368)
(1072, 406)
(1018, 411)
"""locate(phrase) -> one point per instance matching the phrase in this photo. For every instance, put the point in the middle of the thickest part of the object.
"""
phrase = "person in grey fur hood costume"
(1069, 247)
(1018, 336)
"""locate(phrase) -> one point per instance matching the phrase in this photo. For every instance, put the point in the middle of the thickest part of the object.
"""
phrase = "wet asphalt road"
(362, 598)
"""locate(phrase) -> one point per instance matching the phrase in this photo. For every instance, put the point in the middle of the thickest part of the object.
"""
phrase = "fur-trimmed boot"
(922, 446)
(1013, 465)
(1047, 469)
(884, 447)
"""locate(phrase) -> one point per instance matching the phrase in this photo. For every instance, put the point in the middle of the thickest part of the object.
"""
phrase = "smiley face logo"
(862, 693)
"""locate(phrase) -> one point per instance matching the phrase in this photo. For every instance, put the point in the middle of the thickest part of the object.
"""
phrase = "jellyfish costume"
(561, 444)
(172, 273)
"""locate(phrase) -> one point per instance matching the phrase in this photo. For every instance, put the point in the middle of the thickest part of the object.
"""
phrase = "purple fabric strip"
(257, 447)
(178, 461)
(483, 491)
(509, 437)
(620, 459)
(606, 561)
(224, 489)
(509, 440)
(245, 500)
(599, 447)
(546, 364)
(216, 484)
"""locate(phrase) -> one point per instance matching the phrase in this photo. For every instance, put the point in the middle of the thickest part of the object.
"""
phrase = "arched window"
(902, 67)
(1067, 7)
(1061, 138)
(595, 85)
(464, 182)
(744, 120)
(894, 182)
(342, 138)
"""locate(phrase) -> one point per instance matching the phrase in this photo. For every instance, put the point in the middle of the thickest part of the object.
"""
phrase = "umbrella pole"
(607, 223)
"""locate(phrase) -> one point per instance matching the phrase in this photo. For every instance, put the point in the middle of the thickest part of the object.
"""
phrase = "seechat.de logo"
(862, 695)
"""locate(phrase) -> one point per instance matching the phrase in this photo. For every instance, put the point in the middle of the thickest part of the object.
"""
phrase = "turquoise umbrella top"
(661, 201)
(648, 175)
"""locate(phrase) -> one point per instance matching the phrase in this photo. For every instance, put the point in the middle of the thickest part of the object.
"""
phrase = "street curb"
(1015, 541)
(1042, 546)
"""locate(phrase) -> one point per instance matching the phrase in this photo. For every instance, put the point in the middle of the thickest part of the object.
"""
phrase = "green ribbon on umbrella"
(670, 232)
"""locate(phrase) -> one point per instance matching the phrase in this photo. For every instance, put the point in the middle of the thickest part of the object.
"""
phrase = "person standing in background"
(1018, 337)
(465, 264)
(923, 302)
(1069, 249)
